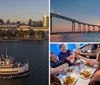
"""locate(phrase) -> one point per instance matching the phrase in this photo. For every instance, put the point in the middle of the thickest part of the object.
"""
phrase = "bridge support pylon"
(84, 28)
(88, 28)
(93, 28)
(73, 26)
(79, 27)
(98, 28)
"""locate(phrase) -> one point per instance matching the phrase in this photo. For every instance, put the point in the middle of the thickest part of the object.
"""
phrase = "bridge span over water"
(73, 21)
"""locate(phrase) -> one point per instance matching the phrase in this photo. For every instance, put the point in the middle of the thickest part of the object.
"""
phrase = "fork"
(76, 81)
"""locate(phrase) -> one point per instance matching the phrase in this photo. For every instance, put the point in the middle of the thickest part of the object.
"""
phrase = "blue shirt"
(57, 63)
(62, 55)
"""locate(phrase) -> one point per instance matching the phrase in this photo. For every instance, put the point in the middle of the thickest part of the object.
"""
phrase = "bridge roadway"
(73, 23)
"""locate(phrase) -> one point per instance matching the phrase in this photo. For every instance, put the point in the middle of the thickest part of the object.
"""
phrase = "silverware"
(76, 81)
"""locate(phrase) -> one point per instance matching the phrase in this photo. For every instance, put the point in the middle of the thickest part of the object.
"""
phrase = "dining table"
(76, 73)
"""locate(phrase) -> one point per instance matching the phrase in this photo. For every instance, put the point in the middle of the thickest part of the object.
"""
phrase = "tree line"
(20, 34)
(30, 23)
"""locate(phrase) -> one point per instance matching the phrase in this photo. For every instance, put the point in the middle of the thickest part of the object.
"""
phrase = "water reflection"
(37, 53)
(81, 37)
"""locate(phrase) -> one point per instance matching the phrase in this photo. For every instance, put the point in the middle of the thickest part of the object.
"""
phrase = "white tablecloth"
(80, 80)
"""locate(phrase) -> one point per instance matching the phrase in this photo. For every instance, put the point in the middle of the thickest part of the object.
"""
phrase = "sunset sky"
(83, 10)
(23, 9)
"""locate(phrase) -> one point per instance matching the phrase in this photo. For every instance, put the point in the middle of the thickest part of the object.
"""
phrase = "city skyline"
(19, 10)
(83, 10)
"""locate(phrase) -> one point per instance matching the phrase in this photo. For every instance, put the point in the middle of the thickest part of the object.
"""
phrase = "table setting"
(77, 74)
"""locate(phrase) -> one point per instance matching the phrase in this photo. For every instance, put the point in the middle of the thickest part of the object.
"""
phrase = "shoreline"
(23, 40)
(57, 33)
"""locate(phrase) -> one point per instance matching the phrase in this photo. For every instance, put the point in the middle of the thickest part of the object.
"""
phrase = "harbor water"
(76, 37)
(37, 54)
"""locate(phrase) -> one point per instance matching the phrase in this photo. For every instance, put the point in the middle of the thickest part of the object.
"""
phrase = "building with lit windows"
(45, 21)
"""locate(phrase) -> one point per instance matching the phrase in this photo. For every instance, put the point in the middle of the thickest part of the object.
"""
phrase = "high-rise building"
(45, 21)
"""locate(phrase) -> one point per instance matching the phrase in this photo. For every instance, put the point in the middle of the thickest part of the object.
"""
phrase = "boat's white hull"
(14, 71)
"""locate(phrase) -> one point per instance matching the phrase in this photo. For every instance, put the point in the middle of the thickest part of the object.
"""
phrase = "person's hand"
(90, 61)
(77, 55)
(68, 58)
(71, 58)
(91, 82)
(79, 52)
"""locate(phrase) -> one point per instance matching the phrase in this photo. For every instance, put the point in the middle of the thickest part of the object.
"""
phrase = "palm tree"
(8, 21)
(1, 22)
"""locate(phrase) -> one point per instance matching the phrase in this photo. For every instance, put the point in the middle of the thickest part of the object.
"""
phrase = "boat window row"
(5, 67)
(8, 71)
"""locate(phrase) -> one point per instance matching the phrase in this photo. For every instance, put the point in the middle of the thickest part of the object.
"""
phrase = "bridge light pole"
(79, 27)
(73, 26)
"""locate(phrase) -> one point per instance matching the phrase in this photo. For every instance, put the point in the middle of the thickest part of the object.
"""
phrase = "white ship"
(10, 68)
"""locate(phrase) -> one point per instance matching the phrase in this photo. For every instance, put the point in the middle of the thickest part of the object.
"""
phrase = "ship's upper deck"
(9, 62)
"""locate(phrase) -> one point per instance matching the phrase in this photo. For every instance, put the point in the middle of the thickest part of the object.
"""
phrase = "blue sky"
(23, 9)
(82, 10)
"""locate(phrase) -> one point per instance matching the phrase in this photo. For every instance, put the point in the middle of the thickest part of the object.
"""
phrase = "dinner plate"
(68, 73)
(83, 77)
(64, 77)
